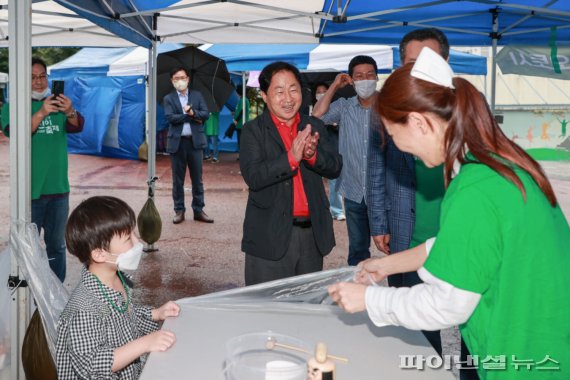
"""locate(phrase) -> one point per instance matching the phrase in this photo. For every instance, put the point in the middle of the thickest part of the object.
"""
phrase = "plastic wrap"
(4, 311)
(305, 290)
(48, 292)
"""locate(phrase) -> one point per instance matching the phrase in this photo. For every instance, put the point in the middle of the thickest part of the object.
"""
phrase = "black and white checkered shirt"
(90, 329)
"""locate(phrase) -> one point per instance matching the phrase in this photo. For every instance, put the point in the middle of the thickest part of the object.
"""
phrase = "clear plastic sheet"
(306, 290)
(4, 311)
(48, 292)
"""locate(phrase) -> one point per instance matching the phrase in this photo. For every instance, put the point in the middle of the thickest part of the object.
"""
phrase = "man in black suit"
(283, 157)
(186, 112)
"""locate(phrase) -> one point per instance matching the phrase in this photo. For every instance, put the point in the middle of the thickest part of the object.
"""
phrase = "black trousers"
(302, 257)
(187, 157)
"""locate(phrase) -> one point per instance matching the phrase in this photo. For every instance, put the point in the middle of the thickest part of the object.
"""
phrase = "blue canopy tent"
(113, 105)
(468, 22)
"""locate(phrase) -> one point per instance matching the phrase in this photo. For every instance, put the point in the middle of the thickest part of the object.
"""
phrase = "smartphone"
(57, 87)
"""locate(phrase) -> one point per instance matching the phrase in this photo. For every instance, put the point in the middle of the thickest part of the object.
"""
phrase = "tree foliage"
(50, 55)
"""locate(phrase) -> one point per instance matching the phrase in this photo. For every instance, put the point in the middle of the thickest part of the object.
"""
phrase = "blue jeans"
(50, 214)
(335, 199)
(358, 231)
(212, 148)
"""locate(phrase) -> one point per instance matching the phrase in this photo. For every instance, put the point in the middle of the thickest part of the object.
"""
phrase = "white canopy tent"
(55, 25)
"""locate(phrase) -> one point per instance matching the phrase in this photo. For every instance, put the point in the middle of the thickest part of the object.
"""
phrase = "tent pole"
(243, 99)
(151, 123)
(495, 37)
(20, 42)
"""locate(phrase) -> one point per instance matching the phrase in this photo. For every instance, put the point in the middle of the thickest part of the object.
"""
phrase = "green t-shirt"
(429, 194)
(49, 153)
(516, 255)
(212, 125)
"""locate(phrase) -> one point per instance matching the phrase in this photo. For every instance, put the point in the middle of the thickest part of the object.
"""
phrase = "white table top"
(373, 352)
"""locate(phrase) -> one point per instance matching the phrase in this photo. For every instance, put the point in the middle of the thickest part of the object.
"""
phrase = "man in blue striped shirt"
(353, 117)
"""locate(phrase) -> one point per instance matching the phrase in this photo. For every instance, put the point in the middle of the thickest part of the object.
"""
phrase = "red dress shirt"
(288, 134)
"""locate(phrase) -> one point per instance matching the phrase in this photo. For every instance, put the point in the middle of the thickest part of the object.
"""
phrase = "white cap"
(431, 67)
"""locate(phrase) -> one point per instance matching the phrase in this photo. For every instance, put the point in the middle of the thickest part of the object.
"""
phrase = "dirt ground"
(194, 258)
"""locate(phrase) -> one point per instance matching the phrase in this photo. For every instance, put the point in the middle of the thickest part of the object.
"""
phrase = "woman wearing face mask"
(498, 266)
(335, 199)
(101, 333)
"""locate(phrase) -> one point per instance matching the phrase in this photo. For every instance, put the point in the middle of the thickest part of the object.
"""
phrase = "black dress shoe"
(202, 217)
(178, 218)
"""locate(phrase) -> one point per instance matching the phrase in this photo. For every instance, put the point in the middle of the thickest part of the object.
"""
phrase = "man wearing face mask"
(52, 119)
(186, 112)
(353, 117)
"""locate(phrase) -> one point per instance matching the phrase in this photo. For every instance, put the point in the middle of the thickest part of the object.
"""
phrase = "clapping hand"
(300, 142)
(311, 145)
(188, 110)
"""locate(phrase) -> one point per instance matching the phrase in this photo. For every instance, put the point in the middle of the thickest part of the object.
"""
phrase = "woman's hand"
(349, 296)
(372, 271)
(169, 309)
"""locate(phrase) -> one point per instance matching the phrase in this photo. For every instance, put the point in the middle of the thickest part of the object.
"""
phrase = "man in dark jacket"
(186, 112)
(284, 155)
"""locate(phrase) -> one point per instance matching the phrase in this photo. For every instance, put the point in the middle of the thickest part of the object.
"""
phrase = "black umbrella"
(208, 75)
(311, 79)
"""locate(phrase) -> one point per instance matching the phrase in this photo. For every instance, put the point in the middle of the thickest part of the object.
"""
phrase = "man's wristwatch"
(72, 114)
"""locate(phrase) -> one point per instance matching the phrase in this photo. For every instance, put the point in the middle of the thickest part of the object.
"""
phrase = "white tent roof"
(337, 57)
(55, 25)
(259, 22)
(134, 63)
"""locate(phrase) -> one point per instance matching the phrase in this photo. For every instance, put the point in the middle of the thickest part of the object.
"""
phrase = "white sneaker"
(340, 217)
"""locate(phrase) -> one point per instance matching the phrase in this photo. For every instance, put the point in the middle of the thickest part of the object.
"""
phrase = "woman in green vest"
(498, 266)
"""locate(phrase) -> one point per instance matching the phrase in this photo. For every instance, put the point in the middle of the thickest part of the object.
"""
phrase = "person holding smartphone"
(53, 117)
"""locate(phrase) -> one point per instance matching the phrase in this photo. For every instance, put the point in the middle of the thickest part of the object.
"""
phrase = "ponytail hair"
(471, 125)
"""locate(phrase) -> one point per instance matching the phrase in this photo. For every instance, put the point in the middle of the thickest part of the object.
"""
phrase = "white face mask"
(130, 259)
(41, 95)
(319, 96)
(365, 88)
(180, 85)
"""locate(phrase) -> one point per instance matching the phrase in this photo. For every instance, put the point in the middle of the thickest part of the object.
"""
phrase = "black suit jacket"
(265, 169)
(176, 119)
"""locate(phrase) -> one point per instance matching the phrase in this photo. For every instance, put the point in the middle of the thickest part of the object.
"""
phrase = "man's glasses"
(179, 78)
(41, 77)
